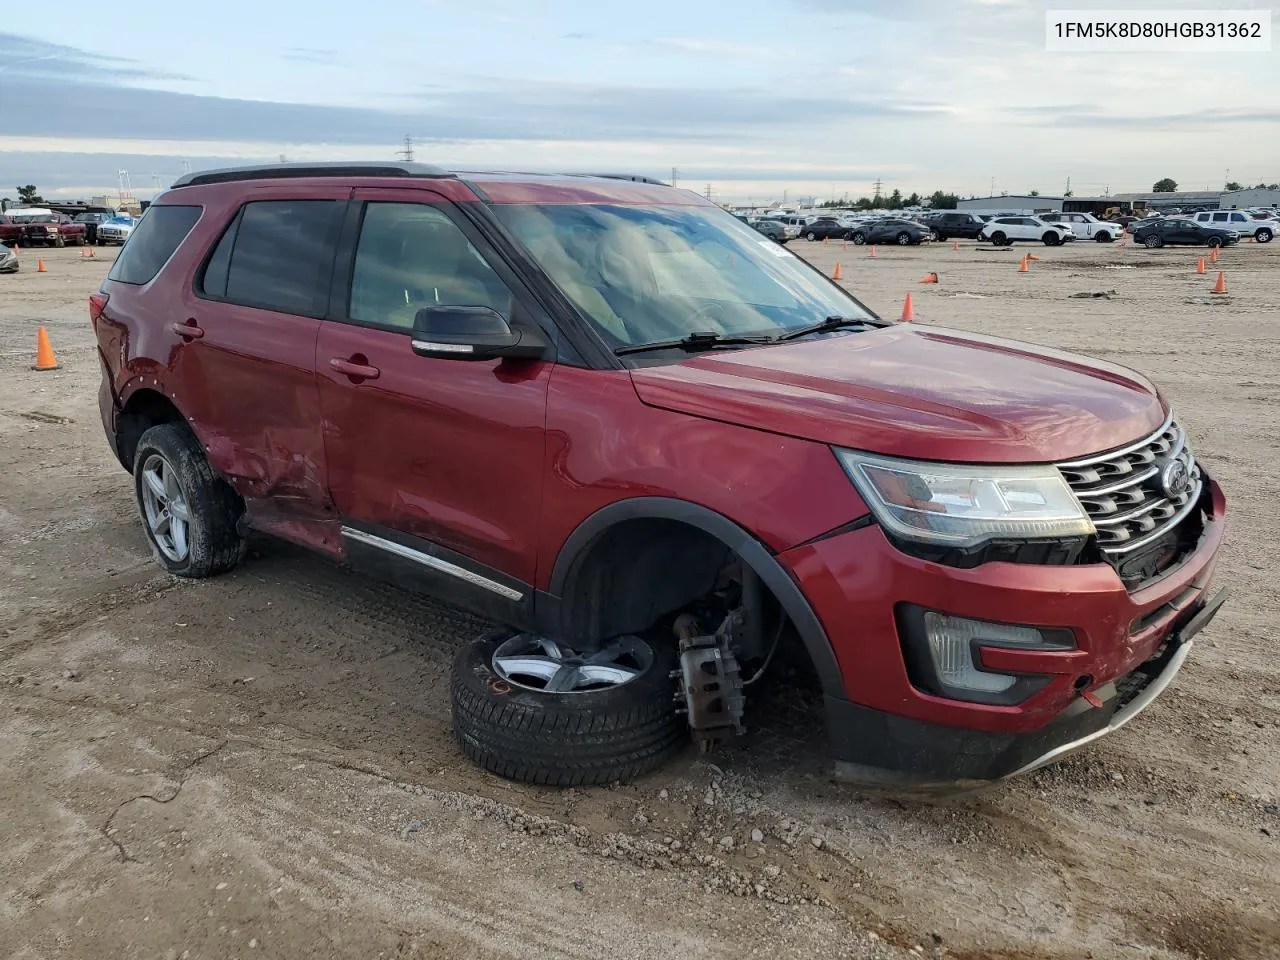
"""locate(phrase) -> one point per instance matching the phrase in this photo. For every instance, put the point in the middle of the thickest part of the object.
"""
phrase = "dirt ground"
(261, 765)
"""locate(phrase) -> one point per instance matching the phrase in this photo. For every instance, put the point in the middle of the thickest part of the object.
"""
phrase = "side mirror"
(472, 333)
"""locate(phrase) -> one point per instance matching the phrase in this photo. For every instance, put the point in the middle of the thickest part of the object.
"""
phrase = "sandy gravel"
(260, 765)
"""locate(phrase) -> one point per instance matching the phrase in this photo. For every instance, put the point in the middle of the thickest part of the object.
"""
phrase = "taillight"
(97, 304)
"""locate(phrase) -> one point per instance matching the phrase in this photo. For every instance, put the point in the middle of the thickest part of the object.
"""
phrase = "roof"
(498, 186)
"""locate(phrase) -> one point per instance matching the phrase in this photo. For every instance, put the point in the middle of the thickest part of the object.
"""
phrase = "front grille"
(1135, 501)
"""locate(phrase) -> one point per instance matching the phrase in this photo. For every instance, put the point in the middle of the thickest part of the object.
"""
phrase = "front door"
(435, 465)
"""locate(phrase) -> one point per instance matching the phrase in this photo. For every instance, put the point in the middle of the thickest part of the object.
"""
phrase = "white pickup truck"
(1261, 230)
(1088, 227)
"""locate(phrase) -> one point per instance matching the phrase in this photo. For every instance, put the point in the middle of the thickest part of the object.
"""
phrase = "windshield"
(645, 274)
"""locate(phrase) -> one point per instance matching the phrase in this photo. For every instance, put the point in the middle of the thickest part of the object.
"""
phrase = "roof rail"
(637, 178)
(339, 168)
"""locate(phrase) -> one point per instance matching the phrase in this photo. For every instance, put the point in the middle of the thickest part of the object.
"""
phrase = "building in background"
(1011, 204)
(1243, 199)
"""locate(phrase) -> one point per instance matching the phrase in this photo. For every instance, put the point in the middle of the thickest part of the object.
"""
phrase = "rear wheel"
(858, 238)
(190, 513)
(1155, 241)
(529, 708)
(1263, 236)
(999, 238)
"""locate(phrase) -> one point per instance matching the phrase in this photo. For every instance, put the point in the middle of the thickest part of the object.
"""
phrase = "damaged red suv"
(654, 446)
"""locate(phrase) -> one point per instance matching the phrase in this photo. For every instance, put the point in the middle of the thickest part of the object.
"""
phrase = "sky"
(749, 98)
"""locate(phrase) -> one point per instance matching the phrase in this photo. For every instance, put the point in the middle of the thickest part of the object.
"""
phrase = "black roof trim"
(637, 178)
(284, 171)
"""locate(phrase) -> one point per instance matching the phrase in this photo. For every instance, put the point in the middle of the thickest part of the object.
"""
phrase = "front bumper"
(1127, 643)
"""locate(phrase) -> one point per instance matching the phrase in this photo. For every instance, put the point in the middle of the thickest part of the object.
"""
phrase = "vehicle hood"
(929, 394)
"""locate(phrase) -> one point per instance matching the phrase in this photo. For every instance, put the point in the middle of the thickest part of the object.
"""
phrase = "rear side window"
(155, 238)
(277, 255)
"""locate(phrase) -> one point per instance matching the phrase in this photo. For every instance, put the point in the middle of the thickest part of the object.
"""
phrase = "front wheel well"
(144, 409)
(638, 563)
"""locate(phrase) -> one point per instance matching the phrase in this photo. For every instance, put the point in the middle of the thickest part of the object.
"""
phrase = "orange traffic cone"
(872, 253)
(1213, 254)
(40, 267)
(1032, 256)
(1023, 266)
(835, 274)
(92, 253)
(955, 245)
(908, 313)
(1200, 265)
(929, 278)
(84, 253)
(45, 360)
(1221, 285)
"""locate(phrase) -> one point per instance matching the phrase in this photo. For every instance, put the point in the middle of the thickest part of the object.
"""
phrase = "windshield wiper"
(694, 341)
(831, 323)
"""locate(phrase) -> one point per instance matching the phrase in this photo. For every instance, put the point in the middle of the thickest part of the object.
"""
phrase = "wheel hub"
(547, 666)
(167, 514)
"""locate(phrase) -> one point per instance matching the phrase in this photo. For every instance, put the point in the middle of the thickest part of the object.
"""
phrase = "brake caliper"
(709, 683)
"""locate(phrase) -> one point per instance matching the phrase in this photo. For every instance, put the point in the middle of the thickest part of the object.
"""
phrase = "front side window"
(412, 256)
(648, 273)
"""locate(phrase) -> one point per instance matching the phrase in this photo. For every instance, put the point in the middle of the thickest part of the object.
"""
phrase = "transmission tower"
(407, 153)
(126, 189)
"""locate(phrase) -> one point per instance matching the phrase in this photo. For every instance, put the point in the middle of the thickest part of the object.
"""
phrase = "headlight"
(963, 506)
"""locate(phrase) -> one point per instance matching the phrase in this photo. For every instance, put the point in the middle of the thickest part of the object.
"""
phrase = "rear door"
(247, 355)
(435, 465)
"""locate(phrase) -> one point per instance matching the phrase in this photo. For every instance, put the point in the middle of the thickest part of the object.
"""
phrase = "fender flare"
(752, 552)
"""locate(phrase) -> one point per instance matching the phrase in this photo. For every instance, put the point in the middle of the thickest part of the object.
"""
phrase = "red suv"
(656, 446)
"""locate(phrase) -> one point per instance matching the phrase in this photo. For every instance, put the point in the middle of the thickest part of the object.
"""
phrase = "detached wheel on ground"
(190, 514)
(529, 708)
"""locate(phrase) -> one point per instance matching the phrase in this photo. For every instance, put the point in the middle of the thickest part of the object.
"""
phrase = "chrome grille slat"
(1122, 493)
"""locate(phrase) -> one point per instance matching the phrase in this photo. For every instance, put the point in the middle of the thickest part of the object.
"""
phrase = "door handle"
(189, 330)
(357, 368)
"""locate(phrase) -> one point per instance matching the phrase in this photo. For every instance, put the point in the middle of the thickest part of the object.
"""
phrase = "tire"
(1051, 239)
(1263, 236)
(903, 238)
(999, 239)
(1212, 241)
(1154, 242)
(858, 238)
(79, 241)
(210, 542)
(617, 733)
(1102, 237)
(811, 236)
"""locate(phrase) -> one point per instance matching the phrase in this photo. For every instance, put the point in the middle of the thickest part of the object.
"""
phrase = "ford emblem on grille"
(1175, 478)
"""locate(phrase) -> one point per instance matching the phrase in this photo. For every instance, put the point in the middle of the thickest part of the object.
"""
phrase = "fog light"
(951, 644)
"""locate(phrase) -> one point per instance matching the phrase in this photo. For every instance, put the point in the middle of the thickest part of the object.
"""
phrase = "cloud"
(714, 48)
(483, 109)
(323, 56)
(1086, 115)
(29, 57)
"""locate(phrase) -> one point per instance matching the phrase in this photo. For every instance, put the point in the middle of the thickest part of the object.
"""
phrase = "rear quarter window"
(157, 235)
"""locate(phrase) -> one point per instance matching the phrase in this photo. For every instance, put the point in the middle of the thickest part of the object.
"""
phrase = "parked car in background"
(8, 260)
(891, 230)
(92, 220)
(824, 228)
(1239, 221)
(1135, 225)
(990, 553)
(1006, 231)
(51, 230)
(952, 225)
(1086, 226)
(774, 230)
(116, 230)
(1183, 231)
(10, 230)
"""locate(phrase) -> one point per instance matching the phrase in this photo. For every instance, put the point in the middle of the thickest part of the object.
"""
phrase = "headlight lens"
(962, 505)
